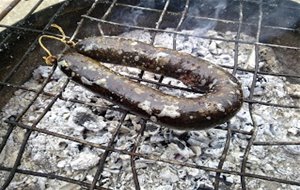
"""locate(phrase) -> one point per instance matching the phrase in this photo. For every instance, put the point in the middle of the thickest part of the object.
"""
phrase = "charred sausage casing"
(223, 97)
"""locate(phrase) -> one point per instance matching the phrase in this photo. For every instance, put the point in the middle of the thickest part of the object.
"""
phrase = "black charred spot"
(184, 136)
(99, 111)
(80, 147)
(82, 117)
(63, 145)
(179, 144)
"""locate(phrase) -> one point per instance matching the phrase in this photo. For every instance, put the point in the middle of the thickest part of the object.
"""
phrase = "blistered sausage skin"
(223, 97)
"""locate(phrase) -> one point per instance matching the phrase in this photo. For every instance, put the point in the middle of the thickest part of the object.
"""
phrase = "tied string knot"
(51, 59)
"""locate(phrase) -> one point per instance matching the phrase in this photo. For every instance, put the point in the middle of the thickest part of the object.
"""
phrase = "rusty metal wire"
(109, 148)
(9, 8)
(254, 130)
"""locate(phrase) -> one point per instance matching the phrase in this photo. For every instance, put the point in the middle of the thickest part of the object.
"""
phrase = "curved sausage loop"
(223, 97)
(222, 100)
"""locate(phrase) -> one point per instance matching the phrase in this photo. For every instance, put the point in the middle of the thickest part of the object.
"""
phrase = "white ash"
(96, 124)
(146, 106)
(171, 111)
(85, 160)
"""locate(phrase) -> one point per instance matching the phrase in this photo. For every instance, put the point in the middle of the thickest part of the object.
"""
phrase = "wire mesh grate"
(157, 27)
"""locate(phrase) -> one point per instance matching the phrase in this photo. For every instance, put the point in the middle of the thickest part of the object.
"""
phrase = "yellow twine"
(50, 59)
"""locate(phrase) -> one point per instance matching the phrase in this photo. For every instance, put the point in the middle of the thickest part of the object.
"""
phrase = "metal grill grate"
(101, 23)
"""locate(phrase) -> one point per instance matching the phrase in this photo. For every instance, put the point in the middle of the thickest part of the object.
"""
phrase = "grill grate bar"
(113, 4)
(9, 8)
(132, 157)
(20, 62)
(52, 95)
(269, 4)
(223, 157)
(158, 23)
(106, 153)
(276, 143)
(84, 142)
(133, 152)
(28, 133)
(80, 23)
(271, 104)
(160, 30)
(263, 73)
(58, 135)
(176, 13)
(226, 21)
(255, 127)
(229, 132)
(236, 45)
(225, 66)
(51, 176)
(101, 164)
(26, 16)
(182, 18)
(38, 92)
(135, 146)
(16, 28)
(153, 158)
(151, 82)
(190, 35)
(30, 130)
(196, 17)
(120, 110)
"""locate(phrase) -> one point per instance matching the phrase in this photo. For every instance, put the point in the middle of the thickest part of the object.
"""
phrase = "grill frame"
(15, 122)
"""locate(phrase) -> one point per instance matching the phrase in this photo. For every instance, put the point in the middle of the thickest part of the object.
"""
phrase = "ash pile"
(163, 158)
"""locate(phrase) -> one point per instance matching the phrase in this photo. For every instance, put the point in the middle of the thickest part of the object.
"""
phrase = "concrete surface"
(22, 9)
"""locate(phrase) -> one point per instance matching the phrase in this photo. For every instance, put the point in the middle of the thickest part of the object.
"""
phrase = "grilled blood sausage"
(223, 97)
